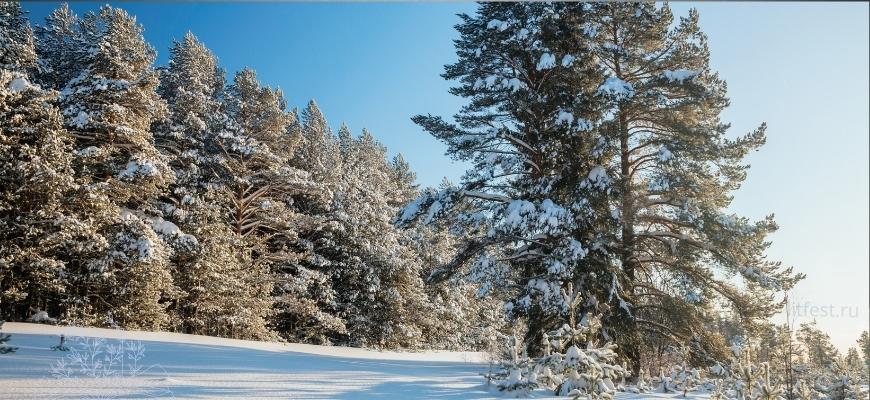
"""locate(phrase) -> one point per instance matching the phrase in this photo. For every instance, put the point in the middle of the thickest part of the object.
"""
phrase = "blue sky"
(801, 67)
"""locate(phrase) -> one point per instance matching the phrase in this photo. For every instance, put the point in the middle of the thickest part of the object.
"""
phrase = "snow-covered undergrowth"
(170, 365)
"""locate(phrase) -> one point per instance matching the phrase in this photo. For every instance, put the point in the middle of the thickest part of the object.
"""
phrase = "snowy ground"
(169, 365)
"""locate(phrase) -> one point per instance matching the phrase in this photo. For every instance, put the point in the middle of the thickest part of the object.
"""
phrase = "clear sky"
(801, 67)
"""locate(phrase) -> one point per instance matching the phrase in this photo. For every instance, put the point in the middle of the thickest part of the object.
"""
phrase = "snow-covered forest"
(589, 247)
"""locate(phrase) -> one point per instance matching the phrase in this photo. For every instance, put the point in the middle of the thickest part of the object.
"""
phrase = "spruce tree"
(4, 338)
(527, 205)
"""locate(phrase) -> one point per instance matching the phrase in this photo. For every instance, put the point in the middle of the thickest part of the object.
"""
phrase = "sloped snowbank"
(105, 363)
(180, 338)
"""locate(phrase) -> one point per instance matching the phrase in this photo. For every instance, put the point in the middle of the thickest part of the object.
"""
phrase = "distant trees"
(864, 345)
(819, 350)
(163, 198)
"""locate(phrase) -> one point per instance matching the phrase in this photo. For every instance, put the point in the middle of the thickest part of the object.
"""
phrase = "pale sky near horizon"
(801, 67)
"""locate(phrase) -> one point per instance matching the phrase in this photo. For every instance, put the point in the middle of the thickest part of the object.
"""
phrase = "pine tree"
(59, 44)
(378, 282)
(817, 345)
(673, 172)
(319, 154)
(109, 108)
(259, 184)
(36, 226)
(864, 346)
(599, 157)
(17, 50)
(855, 365)
(40, 230)
(403, 179)
(458, 319)
(191, 85)
(305, 297)
(226, 292)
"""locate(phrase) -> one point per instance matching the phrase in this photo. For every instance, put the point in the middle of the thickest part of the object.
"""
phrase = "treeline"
(170, 199)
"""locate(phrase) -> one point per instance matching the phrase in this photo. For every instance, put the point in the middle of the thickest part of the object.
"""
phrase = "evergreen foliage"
(4, 338)
(162, 198)
(599, 159)
(592, 221)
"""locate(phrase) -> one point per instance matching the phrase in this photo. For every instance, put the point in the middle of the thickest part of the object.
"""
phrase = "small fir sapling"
(589, 372)
(4, 338)
(641, 386)
(764, 389)
(717, 382)
(519, 376)
(684, 378)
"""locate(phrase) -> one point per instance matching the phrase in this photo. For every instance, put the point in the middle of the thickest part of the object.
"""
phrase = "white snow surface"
(137, 167)
(547, 61)
(616, 87)
(565, 117)
(180, 366)
(500, 25)
(665, 154)
(20, 84)
(680, 75)
(80, 120)
(87, 151)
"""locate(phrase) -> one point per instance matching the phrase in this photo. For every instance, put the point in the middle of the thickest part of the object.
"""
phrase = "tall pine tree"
(599, 159)
(40, 230)
(306, 299)
(379, 285)
(192, 86)
(17, 50)
(109, 106)
(59, 44)
(259, 184)
(673, 170)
